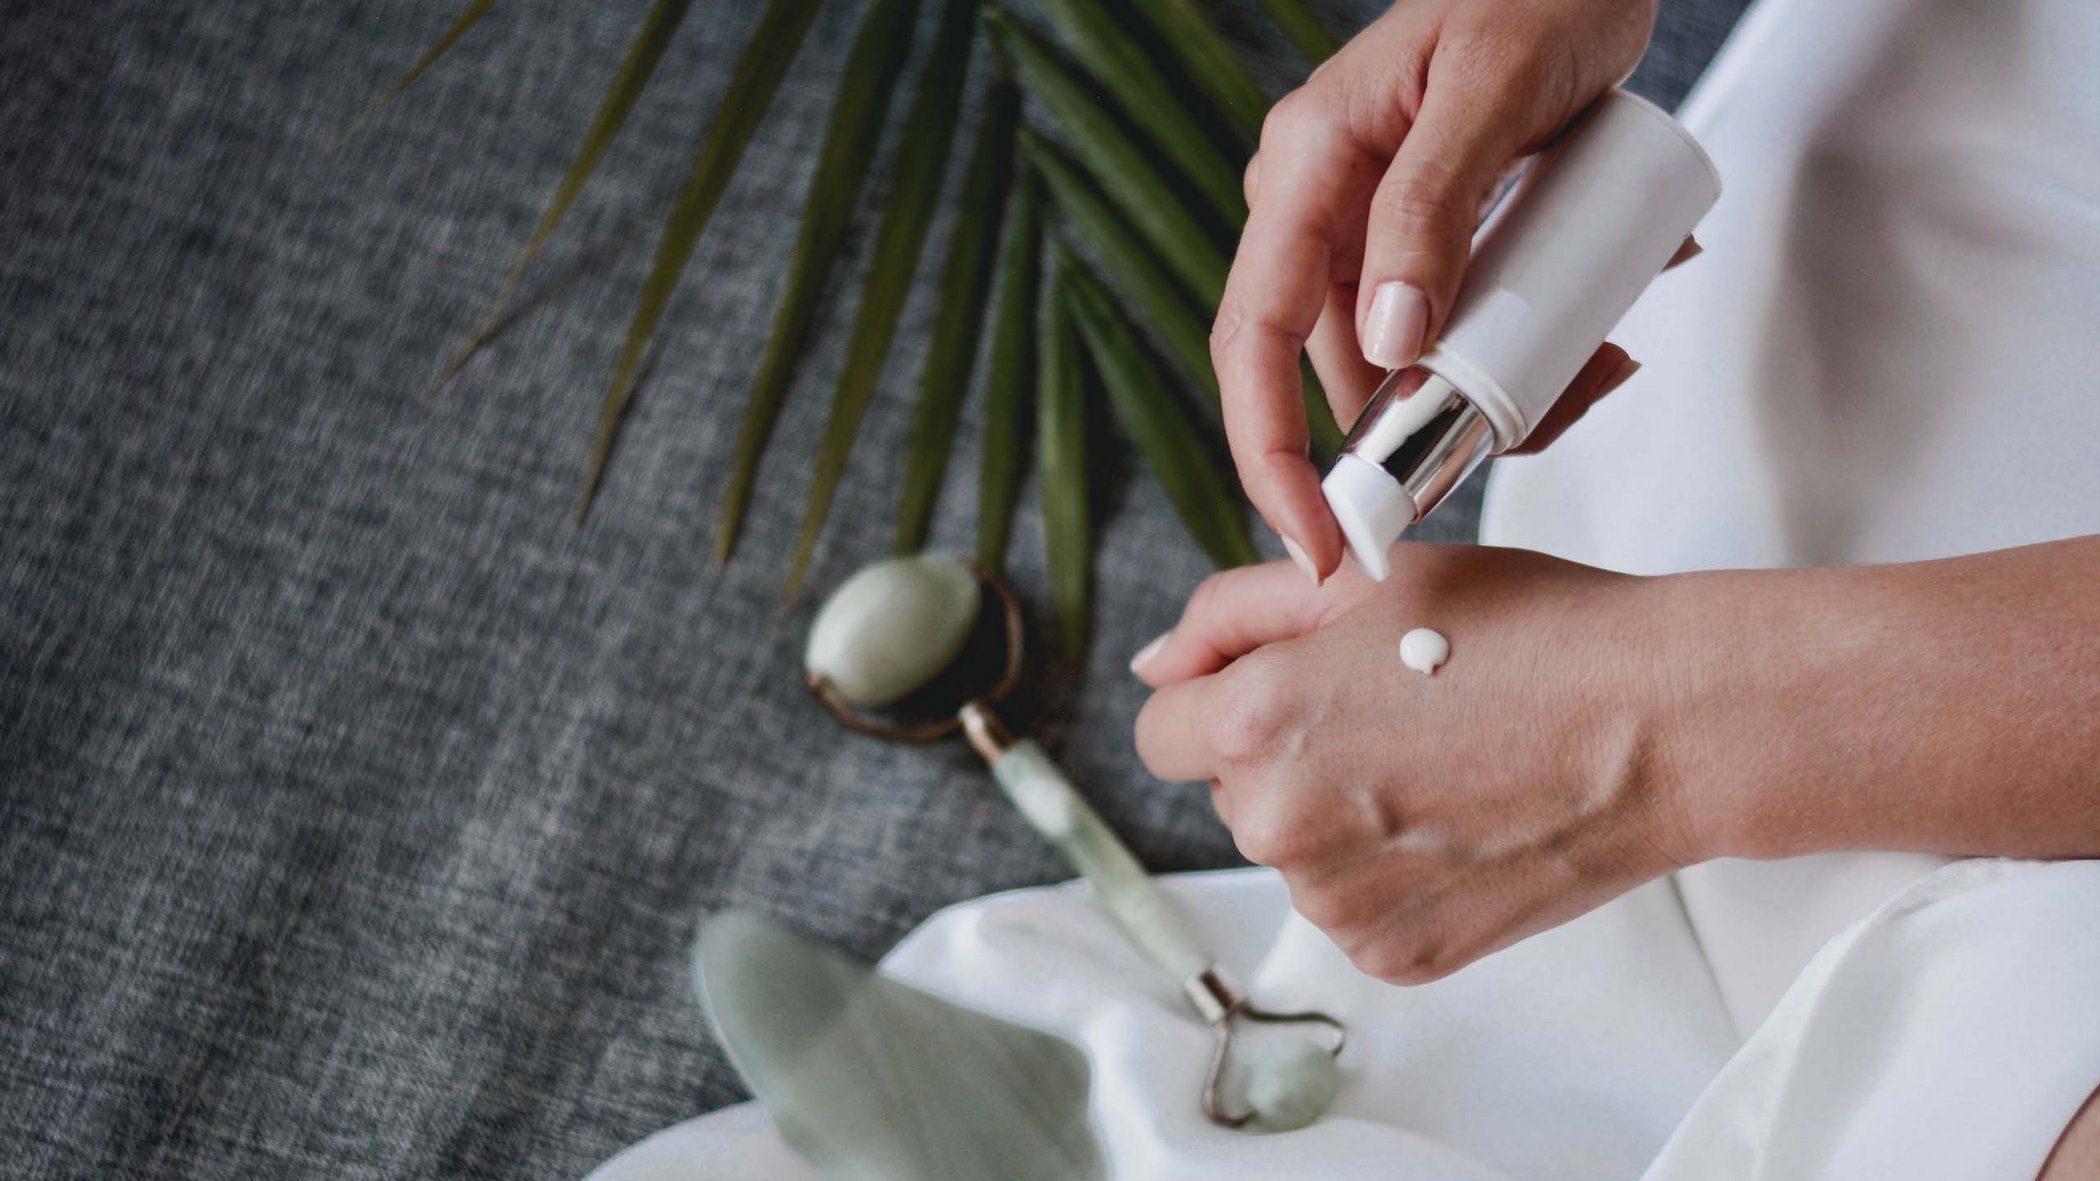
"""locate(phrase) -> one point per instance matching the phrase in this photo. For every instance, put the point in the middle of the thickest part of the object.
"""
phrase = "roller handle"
(1047, 800)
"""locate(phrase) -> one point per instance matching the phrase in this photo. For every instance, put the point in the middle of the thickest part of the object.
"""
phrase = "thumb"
(1231, 614)
(1423, 214)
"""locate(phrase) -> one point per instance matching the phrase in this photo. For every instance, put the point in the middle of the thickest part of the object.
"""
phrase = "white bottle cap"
(1595, 218)
(1371, 507)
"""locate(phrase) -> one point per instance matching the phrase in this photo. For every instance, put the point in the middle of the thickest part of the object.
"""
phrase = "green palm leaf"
(867, 85)
(1068, 532)
(1118, 163)
(1303, 28)
(1135, 270)
(1122, 187)
(1104, 46)
(1210, 60)
(1130, 261)
(1169, 440)
(1009, 371)
(966, 277)
(915, 185)
(643, 54)
(461, 25)
(781, 28)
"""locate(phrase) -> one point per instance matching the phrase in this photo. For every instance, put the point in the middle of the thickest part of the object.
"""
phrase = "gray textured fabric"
(356, 810)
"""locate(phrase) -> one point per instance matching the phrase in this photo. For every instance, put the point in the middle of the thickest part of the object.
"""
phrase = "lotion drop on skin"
(1423, 650)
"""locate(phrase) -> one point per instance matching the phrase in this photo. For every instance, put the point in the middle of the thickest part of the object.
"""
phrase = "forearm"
(1946, 707)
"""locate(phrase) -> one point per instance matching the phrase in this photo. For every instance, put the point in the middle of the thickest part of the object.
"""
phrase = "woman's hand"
(1363, 200)
(1595, 730)
(1424, 821)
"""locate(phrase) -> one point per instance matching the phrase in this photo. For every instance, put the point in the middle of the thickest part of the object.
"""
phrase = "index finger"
(1278, 286)
(1172, 739)
(1231, 614)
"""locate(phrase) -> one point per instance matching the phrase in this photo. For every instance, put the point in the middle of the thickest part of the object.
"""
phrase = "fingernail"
(1297, 554)
(1394, 328)
(1145, 654)
(1619, 376)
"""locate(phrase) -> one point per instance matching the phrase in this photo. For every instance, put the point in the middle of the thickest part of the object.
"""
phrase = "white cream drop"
(1423, 650)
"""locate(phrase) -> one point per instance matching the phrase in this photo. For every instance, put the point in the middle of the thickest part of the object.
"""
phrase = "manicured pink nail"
(1393, 330)
(1619, 376)
(1145, 654)
(1297, 554)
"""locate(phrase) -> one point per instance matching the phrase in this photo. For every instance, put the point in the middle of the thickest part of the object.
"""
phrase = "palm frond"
(1139, 157)
(1129, 260)
(1304, 30)
(1068, 530)
(781, 28)
(966, 278)
(1167, 438)
(1009, 376)
(1115, 160)
(643, 54)
(461, 25)
(916, 172)
(1120, 64)
(1210, 60)
(868, 84)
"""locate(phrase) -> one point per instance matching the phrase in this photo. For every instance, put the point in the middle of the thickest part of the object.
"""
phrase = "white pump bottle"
(1595, 217)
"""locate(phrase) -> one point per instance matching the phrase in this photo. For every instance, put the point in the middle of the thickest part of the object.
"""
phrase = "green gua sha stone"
(870, 1079)
(892, 628)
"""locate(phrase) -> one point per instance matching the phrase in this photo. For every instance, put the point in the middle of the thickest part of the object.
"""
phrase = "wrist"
(1686, 678)
(1656, 729)
(1659, 694)
(1755, 694)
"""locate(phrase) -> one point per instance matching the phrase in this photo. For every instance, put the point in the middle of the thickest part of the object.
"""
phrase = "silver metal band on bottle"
(1429, 440)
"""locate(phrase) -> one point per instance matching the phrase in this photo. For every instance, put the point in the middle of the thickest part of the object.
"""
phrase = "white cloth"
(1950, 1035)
(1890, 351)
(1471, 1079)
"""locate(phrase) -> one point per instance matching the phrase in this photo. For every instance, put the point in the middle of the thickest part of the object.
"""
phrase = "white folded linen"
(1951, 1034)
(1571, 1055)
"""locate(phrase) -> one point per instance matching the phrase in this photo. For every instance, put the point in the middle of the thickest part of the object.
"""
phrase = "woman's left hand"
(1425, 821)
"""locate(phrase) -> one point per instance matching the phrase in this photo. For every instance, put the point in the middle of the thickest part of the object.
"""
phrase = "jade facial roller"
(892, 628)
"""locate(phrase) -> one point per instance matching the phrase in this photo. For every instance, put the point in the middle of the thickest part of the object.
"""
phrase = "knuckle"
(1261, 470)
(1421, 202)
(1145, 736)
(1373, 959)
(1235, 329)
(1302, 112)
(1417, 959)
(1278, 837)
(1255, 841)
(1494, 56)
(1331, 909)
(1517, 72)
(1207, 600)
(1256, 726)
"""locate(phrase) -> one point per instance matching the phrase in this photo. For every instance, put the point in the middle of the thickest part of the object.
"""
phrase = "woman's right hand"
(1363, 200)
